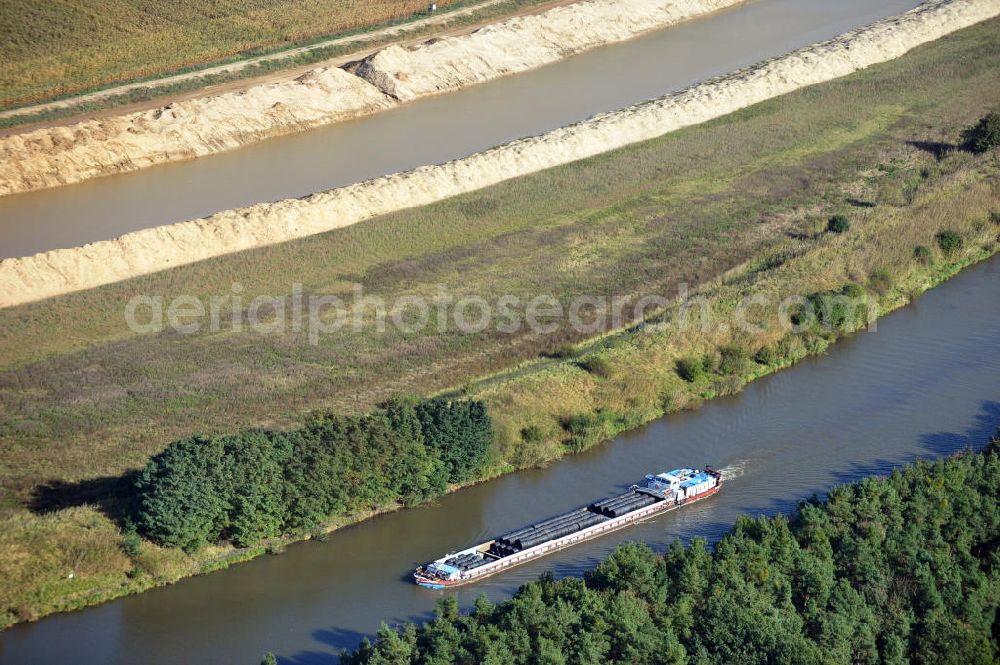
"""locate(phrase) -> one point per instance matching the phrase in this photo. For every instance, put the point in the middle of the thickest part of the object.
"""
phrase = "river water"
(926, 384)
(431, 130)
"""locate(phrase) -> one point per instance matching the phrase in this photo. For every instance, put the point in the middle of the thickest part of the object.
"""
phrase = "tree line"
(898, 569)
(260, 484)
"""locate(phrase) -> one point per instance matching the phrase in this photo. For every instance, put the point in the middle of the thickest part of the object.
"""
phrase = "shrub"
(791, 347)
(596, 365)
(836, 310)
(709, 362)
(691, 369)
(727, 385)
(801, 314)
(563, 352)
(985, 135)
(577, 423)
(881, 281)
(767, 355)
(733, 360)
(838, 224)
(585, 430)
(922, 253)
(949, 241)
(131, 541)
(853, 290)
(532, 434)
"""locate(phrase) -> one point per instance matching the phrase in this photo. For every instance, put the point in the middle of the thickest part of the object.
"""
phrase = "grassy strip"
(736, 206)
(316, 55)
(569, 407)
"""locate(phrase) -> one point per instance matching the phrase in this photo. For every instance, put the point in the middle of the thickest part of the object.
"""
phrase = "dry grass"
(733, 205)
(53, 48)
(641, 382)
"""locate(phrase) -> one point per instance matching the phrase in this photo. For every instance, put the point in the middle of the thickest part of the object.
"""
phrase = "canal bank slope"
(61, 155)
(62, 271)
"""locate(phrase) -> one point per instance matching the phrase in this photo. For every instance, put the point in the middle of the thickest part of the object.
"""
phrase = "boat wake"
(734, 470)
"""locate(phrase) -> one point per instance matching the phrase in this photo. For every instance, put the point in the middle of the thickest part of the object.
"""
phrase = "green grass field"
(54, 48)
(733, 206)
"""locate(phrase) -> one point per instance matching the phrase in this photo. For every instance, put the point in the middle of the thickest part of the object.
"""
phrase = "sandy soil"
(520, 43)
(61, 271)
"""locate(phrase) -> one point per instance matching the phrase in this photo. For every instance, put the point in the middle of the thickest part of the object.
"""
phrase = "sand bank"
(520, 44)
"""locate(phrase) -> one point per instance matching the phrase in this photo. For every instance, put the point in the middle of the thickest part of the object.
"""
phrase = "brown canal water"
(428, 131)
(926, 384)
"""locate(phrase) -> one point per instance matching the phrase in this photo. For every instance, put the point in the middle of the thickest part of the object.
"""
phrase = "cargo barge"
(657, 494)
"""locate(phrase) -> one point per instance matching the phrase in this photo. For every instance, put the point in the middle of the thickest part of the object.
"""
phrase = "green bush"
(923, 254)
(596, 365)
(838, 224)
(767, 355)
(949, 241)
(710, 362)
(563, 352)
(588, 429)
(803, 314)
(881, 281)
(853, 290)
(580, 428)
(985, 135)
(691, 369)
(732, 360)
(835, 311)
(791, 347)
(131, 542)
(532, 434)
(259, 484)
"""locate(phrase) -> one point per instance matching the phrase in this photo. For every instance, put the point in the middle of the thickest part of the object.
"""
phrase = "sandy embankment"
(150, 250)
(62, 155)
(520, 44)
